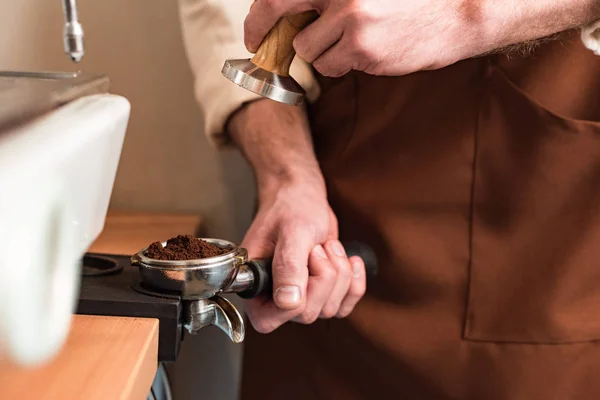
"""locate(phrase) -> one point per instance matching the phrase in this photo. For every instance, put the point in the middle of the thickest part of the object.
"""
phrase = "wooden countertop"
(104, 357)
(126, 233)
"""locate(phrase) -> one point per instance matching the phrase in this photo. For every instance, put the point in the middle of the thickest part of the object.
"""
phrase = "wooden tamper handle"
(276, 52)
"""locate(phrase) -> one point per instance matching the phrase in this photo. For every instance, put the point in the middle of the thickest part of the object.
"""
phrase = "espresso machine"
(61, 135)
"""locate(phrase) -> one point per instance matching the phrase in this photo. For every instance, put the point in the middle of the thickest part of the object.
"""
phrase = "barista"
(459, 144)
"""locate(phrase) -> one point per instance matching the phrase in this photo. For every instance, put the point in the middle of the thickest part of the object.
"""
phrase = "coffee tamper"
(201, 283)
(267, 73)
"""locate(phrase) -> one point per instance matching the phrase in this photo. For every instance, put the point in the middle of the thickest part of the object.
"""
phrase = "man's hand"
(397, 37)
(312, 276)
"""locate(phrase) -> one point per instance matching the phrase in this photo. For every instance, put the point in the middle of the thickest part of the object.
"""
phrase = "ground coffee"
(183, 247)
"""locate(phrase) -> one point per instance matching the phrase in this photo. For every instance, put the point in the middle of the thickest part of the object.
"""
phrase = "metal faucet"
(73, 32)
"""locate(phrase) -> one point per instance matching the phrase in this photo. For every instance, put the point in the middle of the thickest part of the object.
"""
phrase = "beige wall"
(166, 164)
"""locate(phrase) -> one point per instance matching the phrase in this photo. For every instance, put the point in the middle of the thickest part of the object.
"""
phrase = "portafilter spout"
(217, 311)
(72, 32)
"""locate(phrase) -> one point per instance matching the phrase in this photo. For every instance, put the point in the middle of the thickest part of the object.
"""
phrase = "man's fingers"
(337, 256)
(320, 285)
(319, 36)
(264, 14)
(290, 272)
(260, 239)
(258, 248)
(357, 289)
(336, 61)
(266, 316)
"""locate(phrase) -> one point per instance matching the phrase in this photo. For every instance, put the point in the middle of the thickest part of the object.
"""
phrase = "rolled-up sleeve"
(213, 33)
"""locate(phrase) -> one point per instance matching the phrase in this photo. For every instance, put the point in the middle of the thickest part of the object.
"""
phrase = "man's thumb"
(290, 271)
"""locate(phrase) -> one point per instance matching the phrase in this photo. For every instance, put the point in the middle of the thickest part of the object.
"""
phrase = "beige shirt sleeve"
(213, 33)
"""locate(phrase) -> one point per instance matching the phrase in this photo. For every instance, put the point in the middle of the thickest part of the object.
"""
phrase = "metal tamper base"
(267, 73)
(250, 76)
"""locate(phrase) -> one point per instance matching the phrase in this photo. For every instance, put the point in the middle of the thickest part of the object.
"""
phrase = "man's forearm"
(275, 139)
(512, 22)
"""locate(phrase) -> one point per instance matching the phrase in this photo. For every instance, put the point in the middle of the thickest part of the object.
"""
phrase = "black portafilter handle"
(263, 276)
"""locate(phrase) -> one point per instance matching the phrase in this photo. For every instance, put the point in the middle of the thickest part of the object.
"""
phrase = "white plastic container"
(56, 178)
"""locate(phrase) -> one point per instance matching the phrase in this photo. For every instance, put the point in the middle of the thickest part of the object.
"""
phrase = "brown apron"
(479, 187)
